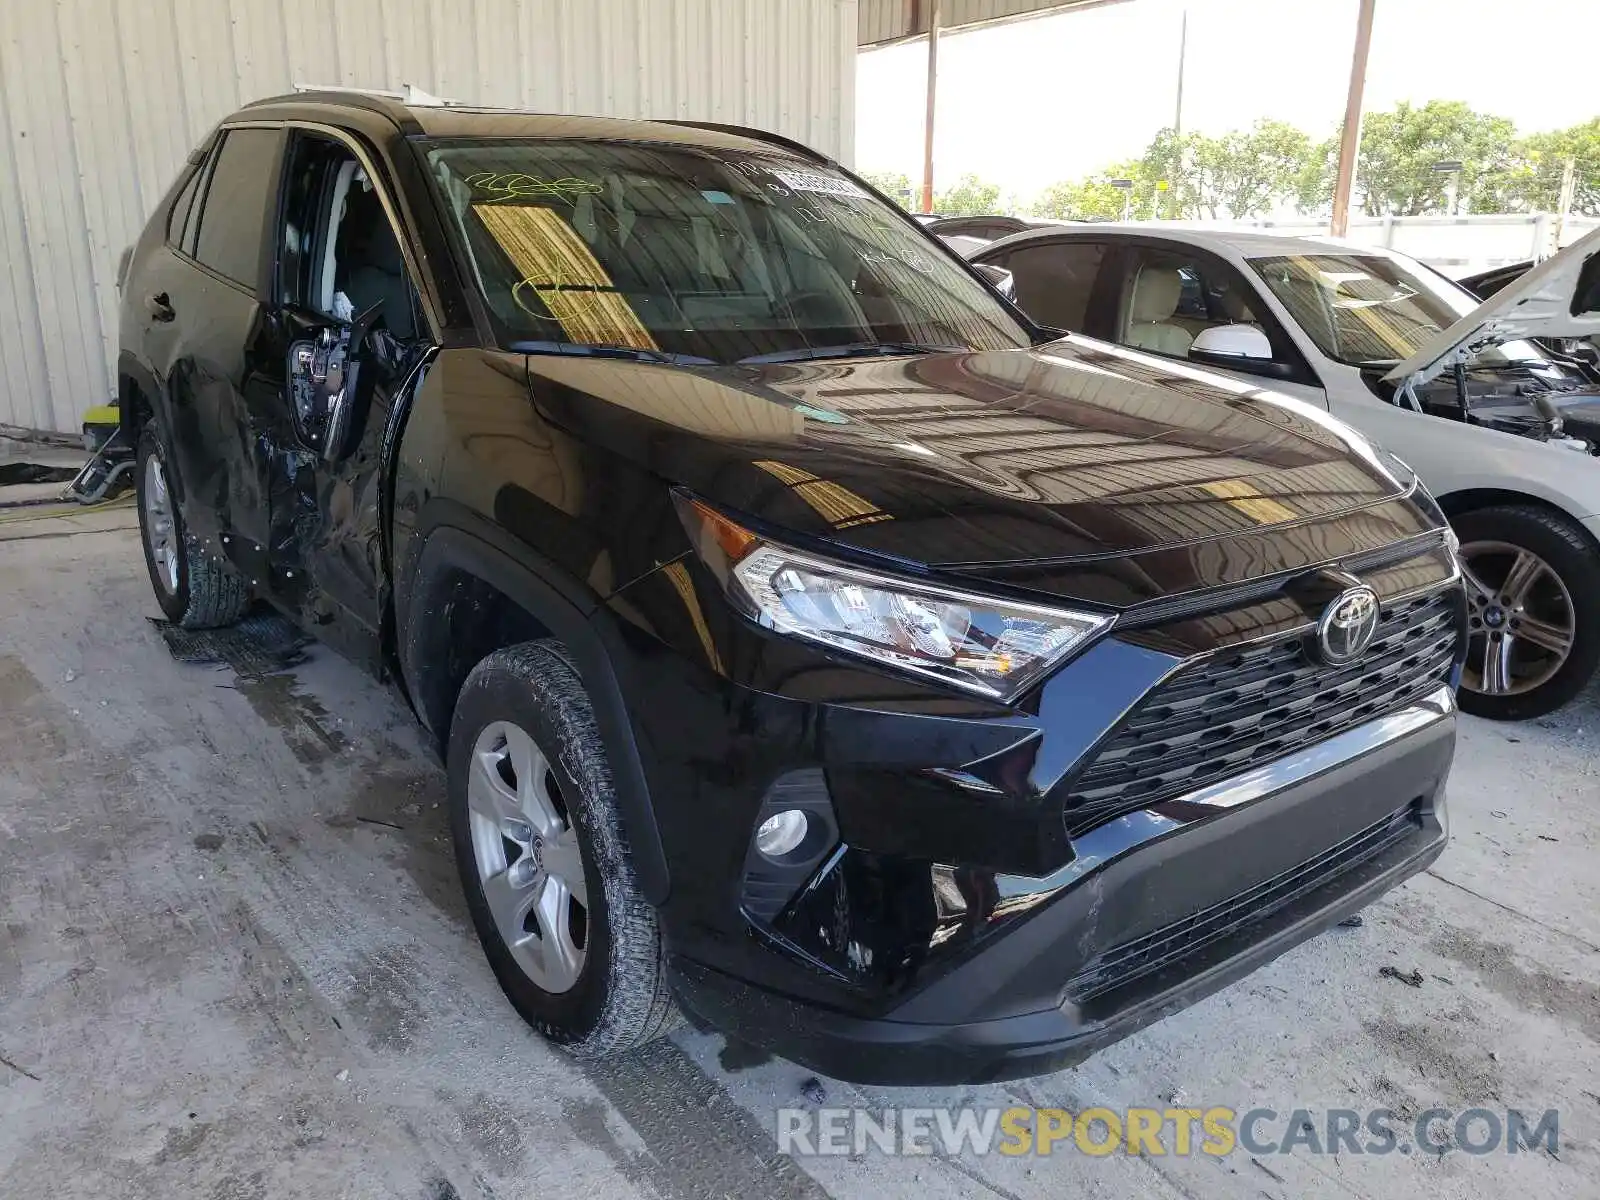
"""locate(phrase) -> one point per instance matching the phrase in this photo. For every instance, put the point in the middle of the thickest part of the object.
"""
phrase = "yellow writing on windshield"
(516, 185)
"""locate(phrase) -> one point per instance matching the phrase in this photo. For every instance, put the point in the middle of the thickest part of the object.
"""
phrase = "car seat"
(1156, 293)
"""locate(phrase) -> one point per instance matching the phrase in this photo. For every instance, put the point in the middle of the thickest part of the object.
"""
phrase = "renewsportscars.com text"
(1180, 1131)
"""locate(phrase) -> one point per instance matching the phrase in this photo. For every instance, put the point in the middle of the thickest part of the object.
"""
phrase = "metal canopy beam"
(1350, 134)
(889, 22)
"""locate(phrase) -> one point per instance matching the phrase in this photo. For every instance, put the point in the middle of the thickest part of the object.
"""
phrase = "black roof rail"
(386, 106)
(758, 135)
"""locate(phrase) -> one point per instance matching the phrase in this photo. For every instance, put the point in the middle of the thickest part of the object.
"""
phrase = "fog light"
(780, 834)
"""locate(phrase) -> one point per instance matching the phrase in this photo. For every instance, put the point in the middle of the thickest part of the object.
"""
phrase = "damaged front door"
(347, 340)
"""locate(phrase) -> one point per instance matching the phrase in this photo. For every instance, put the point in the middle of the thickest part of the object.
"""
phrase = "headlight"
(983, 644)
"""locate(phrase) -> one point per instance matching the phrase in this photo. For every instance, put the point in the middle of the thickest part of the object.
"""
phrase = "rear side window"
(233, 216)
(1054, 281)
(191, 222)
(179, 216)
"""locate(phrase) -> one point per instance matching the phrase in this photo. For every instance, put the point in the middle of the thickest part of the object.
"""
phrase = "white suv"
(1502, 430)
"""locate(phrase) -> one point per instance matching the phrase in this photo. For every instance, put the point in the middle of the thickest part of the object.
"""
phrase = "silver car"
(1502, 431)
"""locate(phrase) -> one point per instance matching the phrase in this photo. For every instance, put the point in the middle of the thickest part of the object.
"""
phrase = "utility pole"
(1569, 191)
(1350, 136)
(1177, 120)
(1183, 53)
(933, 79)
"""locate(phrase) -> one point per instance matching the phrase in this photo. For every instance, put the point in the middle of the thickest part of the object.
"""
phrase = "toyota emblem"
(1347, 625)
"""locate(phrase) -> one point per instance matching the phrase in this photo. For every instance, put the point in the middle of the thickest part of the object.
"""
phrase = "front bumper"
(1157, 909)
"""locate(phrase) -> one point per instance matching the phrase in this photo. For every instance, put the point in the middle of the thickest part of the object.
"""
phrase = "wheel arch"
(468, 597)
(137, 396)
(142, 402)
(1459, 503)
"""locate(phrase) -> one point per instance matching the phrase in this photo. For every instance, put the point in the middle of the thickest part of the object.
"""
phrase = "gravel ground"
(234, 964)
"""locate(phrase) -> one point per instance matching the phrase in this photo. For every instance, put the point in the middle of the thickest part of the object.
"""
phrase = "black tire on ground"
(209, 592)
(622, 998)
(1576, 559)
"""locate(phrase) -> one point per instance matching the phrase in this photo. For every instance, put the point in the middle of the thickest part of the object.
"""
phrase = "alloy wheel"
(527, 856)
(160, 527)
(1520, 617)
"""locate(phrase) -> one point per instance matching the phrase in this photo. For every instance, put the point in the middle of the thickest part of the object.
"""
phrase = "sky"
(1033, 102)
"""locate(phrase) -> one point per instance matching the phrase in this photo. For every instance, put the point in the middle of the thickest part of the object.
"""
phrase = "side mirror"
(1238, 348)
(1000, 279)
(324, 375)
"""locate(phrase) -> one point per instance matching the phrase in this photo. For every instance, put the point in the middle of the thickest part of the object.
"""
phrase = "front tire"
(1533, 605)
(194, 589)
(544, 859)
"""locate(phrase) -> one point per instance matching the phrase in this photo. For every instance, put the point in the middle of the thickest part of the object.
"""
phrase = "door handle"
(160, 306)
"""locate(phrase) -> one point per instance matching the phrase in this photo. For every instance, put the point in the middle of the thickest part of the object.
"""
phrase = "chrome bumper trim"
(1119, 835)
(1315, 759)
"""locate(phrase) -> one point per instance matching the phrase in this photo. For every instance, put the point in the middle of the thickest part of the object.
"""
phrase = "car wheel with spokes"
(526, 853)
(194, 589)
(1533, 610)
(544, 858)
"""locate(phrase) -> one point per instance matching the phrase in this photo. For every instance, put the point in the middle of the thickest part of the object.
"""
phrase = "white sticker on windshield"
(827, 185)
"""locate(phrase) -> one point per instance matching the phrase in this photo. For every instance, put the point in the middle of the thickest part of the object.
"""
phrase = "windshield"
(696, 255)
(1368, 310)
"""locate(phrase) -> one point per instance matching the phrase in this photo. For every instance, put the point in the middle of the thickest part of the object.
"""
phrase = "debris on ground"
(1256, 1162)
(813, 1091)
(1355, 921)
(1411, 978)
(260, 644)
(12, 473)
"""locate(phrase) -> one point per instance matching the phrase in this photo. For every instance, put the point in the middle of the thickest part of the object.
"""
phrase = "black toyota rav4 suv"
(812, 641)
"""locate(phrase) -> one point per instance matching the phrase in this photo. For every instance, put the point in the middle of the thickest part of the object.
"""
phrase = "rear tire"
(588, 968)
(194, 589)
(1533, 571)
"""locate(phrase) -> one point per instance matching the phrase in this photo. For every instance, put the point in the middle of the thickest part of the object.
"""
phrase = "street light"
(1451, 167)
(1125, 186)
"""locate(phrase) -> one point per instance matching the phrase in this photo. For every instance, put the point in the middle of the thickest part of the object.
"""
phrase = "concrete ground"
(234, 964)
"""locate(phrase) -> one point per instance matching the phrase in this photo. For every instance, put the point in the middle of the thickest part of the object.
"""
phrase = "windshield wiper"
(851, 350)
(602, 350)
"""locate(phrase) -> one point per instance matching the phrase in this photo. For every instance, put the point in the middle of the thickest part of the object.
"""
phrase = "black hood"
(1023, 465)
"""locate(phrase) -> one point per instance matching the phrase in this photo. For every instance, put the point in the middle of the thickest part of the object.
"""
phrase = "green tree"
(1094, 199)
(1247, 173)
(893, 184)
(1394, 169)
(1535, 182)
(1243, 173)
(1313, 184)
(1163, 179)
(971, 197)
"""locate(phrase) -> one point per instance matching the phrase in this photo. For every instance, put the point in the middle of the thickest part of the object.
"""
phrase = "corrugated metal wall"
(100, 101)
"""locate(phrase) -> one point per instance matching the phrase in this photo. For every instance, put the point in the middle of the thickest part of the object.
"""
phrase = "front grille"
(1180, 939)
(1237, 709)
